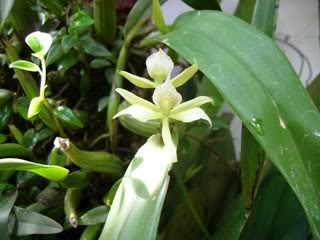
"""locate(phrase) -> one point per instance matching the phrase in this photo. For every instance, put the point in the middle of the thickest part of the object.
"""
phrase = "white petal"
(169, 146)
(191, 115)
(184, 76)
(135, 100)
(138, 81)
(140, 113)
(166, 97)
(39, 42)
(159, 66)
(197, 102)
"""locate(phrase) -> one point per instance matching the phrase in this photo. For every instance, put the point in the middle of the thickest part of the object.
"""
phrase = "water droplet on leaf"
(257, 124)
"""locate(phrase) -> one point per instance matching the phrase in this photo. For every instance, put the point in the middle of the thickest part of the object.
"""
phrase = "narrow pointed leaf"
(51, 172)
(6, 204)
(25, 65)
(272, 104)
(29, 222)
(158, 17)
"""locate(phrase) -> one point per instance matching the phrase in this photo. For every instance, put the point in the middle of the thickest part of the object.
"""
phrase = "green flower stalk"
(40, 44)
(167, 102)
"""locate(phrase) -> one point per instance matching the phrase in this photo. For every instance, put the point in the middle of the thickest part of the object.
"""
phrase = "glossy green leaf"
(108, 199)
(39, 42)
(283, 216)
(5, 113)
(6, 204)
(3, 138)
(143, 186)
(94, 48)
(94, 216)
(25, 65)
(80, 19)
(76, 179)
(5, 8)
(103, 103)
(245, 10)
(35, 106)
(313, 90)
(158, 17)
(139, 13)
(21, 106)
(32, 136)
(203, 4)
(56, 7)
(51, 172)
(265, 15)
(91, 232)
(99, 63)
(29, 222)
(13, 150)
(272, 104)
(54, 54)
(251, 154)
(68, 41)
(16, 133)
(68, 116)
(5, 95)
(67, 62)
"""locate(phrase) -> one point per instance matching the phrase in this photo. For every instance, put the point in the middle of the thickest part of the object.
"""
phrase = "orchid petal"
(140, 113)
(184, 76)
(169, 146)
(138, 81)
(191, 115)
(197, 102)
(135, 100)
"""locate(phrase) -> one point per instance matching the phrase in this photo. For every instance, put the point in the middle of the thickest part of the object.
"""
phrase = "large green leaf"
(5, 7)
(263, 89)
(6, 204)
(136, 208)
(51, 172)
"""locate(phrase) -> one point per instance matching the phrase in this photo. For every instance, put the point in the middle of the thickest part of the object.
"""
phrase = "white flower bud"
(159, 66)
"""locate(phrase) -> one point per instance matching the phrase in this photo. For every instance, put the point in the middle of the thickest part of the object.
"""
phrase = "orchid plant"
(166, 104)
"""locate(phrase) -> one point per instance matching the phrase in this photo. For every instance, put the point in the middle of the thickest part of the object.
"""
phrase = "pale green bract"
(166, 103)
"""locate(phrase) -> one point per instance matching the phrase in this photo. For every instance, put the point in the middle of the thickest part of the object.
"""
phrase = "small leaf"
(5, 95)
(112, 192)
(6, 204)
(68, 116)
(32, 137)
(29, 222)
(67, 43)
(3, 138)
(94, 216)
(67, 61)
(158, 17)
(16, 133)
(103, 103)
(80, 19)
(5, 8)
(39, 42)
(5, 113)
(35, 106)
(25, 65)
(51, 172)
(21, 106)
(99, 63)
(94, 48)
(54, 54)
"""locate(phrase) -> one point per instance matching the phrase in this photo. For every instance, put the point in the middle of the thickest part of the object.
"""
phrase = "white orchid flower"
(167, 105)
(159, 66)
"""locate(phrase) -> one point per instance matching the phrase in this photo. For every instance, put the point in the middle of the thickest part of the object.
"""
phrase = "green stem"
(190, 206)
(114, 100)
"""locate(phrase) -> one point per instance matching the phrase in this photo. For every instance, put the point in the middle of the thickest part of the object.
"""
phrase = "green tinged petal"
(140, 113)
(135, 100)
(138, 81)
(197, 102)
(191, 115)
(25, 65)
(184, 76)
(169, 146)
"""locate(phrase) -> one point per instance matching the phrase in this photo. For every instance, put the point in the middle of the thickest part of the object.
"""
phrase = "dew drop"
(257, 124)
